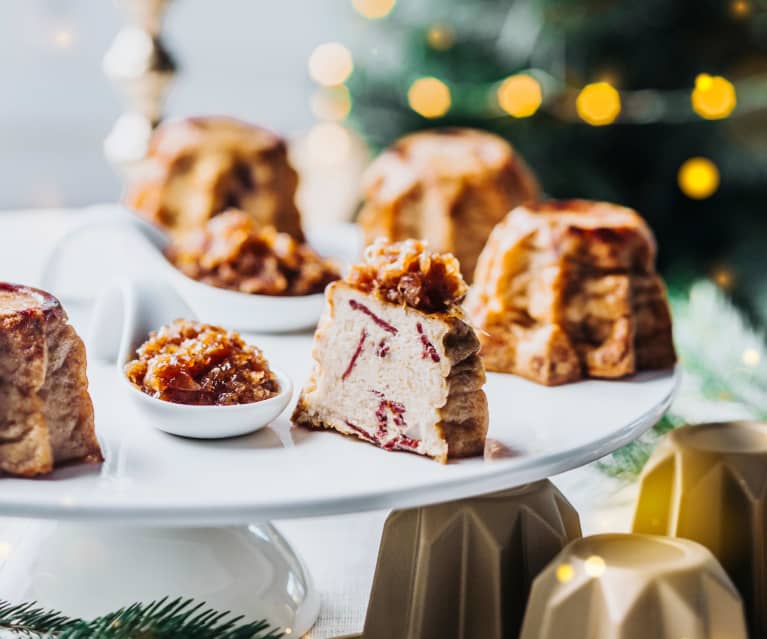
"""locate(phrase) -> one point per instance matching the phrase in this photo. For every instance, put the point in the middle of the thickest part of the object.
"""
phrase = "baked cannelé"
(46, 414)
(199, 167)
(449, 187)
(395, 363)
(565, 290)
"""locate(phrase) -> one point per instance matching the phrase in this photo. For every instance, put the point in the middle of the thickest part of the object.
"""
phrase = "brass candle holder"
(141, 68)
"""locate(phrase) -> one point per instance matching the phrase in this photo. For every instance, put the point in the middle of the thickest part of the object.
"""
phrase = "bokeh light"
(429, 97)
(598, 103)
(374, 9)
(751, 357)
(440, 37)
(63, 37)
(594, 566)
(713, 97)
(698, 178)
(5, 550)
(331, 103)
(723, 277)
(520, 95)
(565, 572)
(330, 64)
(328, 143)
(740, 8)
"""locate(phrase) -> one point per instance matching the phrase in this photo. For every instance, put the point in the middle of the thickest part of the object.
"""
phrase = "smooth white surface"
(123, 317)
(73, 567)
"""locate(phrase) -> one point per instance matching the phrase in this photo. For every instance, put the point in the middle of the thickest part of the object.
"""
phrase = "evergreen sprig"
(162, 619)
(724, 359)
(27, 620)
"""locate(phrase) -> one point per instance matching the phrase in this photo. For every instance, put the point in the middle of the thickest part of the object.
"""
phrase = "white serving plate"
(281, 472)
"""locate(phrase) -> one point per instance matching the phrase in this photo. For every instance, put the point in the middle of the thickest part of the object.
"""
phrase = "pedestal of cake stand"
(86, 569)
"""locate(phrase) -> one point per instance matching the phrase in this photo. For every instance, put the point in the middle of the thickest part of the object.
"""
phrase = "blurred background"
(660, 104)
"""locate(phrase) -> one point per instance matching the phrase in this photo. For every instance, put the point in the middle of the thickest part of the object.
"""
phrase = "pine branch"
(162, 619)
(27, 620)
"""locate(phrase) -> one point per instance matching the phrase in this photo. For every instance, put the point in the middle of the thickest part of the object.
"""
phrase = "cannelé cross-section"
(568, 289)
(395, 363)
(46, 414)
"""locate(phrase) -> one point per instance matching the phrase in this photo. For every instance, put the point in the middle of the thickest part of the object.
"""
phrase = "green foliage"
(162, 619)
(27, 620)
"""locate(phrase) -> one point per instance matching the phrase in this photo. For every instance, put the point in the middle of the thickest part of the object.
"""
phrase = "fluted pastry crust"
(568, 289)
(447, 186)
(198, 167)
(46, 414)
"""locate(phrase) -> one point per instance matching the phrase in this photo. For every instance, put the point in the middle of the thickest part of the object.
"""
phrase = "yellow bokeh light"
(713, 97)
(429, 97)
(598, 103)
(330, 64)
(698, 178)
(5, 550)
(440, 37)
(328, 143)
(723, 277)
(374, 9)
(740, 8)
(520, 95)
(565, 572)
(332, 103)
(594, 566)
(751, 357)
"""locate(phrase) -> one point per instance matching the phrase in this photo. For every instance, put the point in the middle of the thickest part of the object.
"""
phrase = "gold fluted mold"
(141, 68)
(709, 483)
(621, 586)
(464, 568)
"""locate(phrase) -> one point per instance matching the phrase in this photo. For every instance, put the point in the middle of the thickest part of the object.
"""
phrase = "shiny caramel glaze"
(188, 362)
(408, 273)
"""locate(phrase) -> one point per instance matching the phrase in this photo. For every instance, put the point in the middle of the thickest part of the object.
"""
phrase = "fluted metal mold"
(463, 569)
(622, 586)
(709, 483)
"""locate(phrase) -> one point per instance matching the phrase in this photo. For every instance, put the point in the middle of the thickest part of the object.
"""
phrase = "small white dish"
(241, 311)
(123, 318)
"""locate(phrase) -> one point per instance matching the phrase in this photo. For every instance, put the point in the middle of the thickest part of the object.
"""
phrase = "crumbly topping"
(188, 362)
(408, 273)
(233, 252)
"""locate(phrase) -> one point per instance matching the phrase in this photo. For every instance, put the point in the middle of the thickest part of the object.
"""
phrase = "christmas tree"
(660, 105)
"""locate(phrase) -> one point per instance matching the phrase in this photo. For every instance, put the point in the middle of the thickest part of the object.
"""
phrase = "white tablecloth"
(340, 552)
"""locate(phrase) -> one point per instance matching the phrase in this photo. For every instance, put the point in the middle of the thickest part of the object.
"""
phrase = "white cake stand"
(171, 516)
